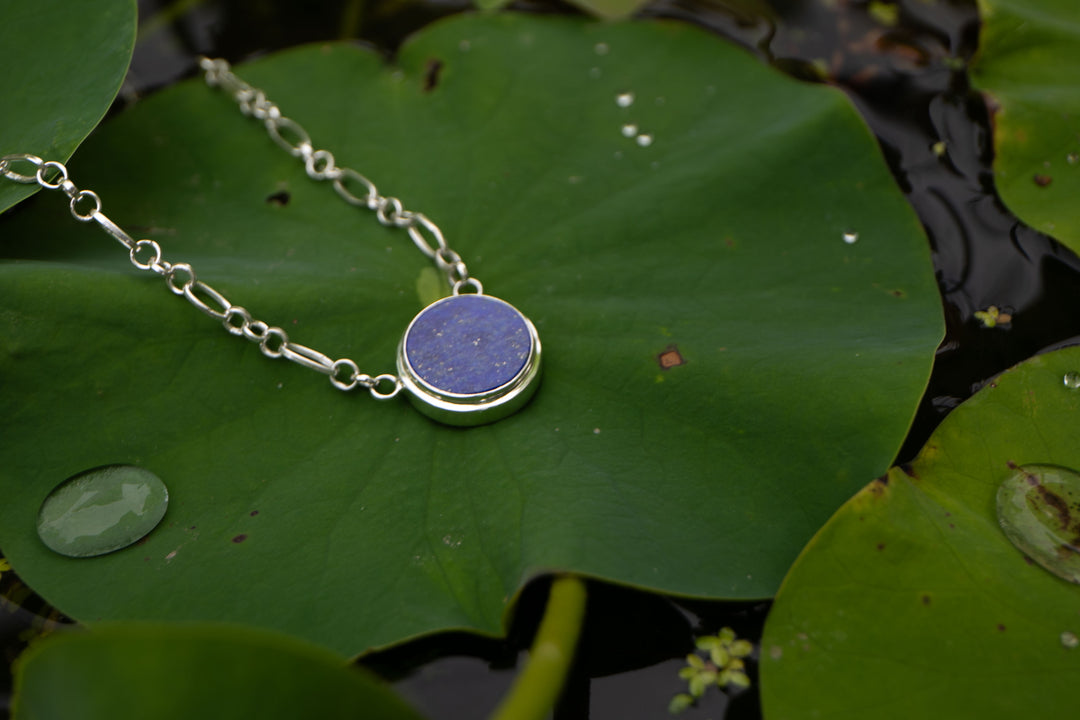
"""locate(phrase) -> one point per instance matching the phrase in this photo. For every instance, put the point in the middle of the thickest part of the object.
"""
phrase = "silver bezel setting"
(473, 408)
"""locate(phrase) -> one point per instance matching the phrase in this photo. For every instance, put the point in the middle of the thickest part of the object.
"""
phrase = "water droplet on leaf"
(1038, 507)
(644, 140)
(1069, 640)
(601, 48)
(851, 237)
(625, 99)
(1072, 380)
(1073, 158)
(629, 130)
(102, 510)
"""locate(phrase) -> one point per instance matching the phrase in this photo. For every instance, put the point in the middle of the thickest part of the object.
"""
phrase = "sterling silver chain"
(320, 165)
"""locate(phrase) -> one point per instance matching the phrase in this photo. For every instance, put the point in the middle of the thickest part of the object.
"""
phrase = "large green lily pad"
(63, 65)
(722, 369)
(912, 602)
(179, 672)
(1029, 65)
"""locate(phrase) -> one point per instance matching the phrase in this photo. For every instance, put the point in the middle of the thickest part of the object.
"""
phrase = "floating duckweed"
(1037, 508)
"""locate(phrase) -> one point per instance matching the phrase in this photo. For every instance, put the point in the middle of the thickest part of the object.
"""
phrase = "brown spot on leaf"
(280, 198)
(254, 513)
(1011, 465)
(1056, 503)
(1000, 627)
(1042, 180)
(925, 598)
(909, 471)
(881, 546)
(670, 357)
(431, 74)
(239, 538)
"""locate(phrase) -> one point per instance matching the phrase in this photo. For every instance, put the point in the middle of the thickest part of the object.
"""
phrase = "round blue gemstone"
(468, 344)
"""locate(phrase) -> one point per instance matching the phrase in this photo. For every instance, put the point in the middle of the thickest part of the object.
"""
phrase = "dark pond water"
(908, 81)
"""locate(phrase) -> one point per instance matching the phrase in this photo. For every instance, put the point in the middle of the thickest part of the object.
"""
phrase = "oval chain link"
(344, 374)
(321, 165)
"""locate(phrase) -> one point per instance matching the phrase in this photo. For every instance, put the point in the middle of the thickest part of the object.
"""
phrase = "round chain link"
(181, 279)
(85, 206)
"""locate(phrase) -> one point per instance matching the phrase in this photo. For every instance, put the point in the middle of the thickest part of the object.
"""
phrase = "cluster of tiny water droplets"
(631, 130)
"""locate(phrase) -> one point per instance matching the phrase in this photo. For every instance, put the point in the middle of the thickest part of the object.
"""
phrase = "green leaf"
(490, 5)
(733, 677)
(679, 703)
(741, 648)
(63, 65)
(610, 9)
(719, 656)
(707, 642)
(1029, 65)
(180, 672)
(698, 684)
(912, 602)
(722, 370)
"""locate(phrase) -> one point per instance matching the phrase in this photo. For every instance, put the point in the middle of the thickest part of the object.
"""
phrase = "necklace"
(466, 359)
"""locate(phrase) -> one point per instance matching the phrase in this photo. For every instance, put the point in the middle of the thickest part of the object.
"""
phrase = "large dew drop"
(1038, 507)
(102, 510)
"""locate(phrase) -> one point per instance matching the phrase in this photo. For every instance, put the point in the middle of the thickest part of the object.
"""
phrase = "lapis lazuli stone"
(468, 344)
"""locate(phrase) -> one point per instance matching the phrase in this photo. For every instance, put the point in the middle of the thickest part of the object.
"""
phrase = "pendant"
(469, 359)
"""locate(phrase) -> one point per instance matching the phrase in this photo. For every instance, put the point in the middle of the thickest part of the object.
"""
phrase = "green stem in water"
(352, 16)
(537, 688)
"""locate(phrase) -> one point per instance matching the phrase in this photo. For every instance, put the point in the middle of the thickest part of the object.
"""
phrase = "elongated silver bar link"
(180, 277)
(7, 161)
(291, 137)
